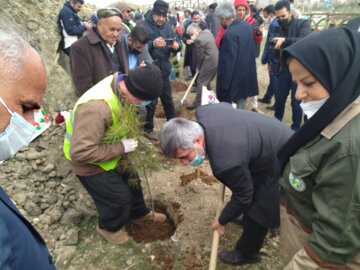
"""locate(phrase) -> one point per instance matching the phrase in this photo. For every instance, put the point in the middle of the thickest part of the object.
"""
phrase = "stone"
(34, 155)
(32, 209)
(71, 216)
(48, 168)
(19, 198)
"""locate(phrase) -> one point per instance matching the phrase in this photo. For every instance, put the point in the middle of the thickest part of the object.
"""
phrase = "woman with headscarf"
(320, 225)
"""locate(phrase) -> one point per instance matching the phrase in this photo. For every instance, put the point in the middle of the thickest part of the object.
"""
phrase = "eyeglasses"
(128, 11)
(109, 12)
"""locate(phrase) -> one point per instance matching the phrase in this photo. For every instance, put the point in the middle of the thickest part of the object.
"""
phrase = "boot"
(159, 218)
(115, 238)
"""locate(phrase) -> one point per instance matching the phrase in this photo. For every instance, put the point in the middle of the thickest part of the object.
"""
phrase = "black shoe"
(271, 108)
(263, 100)
(193, 90)
(234, 257)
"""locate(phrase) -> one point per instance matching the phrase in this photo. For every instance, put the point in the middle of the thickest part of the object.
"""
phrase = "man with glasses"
(70, 24)
(127, 22)
(99, 53)
(160, 49)
(97, 140)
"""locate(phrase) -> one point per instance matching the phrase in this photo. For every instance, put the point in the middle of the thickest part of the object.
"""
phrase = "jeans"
(273, 82)
(116, 199)
(167, 102)
(285, 85)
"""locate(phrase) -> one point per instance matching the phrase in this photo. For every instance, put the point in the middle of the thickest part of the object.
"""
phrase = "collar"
(342, 119)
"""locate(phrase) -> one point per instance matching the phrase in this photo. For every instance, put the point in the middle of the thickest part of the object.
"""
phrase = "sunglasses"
(108, 12)
(128, 11)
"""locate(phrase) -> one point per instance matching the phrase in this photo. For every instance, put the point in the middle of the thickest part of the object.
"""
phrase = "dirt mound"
(198, 174)
(178, 86)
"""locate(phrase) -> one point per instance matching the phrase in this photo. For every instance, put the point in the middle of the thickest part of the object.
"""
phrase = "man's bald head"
(23, 78)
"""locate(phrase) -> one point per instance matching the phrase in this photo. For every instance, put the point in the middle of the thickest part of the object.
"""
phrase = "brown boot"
(115, 238)
(158, 218)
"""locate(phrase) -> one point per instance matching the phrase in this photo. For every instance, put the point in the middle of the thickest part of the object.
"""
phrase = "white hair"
(225, 10)
(193, 27)
(178, 133)
(12, 48)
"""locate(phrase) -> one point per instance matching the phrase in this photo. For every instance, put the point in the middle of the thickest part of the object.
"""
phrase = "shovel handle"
(189, 88)
(216, 236)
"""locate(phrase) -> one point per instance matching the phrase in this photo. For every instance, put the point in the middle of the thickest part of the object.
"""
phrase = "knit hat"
(160, 8)
(138, 16)
(212, 6)
(241, 3)
(145, 83)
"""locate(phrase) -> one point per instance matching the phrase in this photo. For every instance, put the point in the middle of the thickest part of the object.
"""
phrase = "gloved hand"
(129, 145)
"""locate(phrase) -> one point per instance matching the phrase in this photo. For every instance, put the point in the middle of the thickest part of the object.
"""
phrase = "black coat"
(160, 55)
(236, 74)
(242, 147)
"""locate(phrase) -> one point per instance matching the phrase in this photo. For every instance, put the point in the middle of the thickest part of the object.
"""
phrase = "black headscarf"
(333, 58)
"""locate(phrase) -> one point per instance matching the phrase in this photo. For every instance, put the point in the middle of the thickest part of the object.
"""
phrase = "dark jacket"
(90, 63)
(71, 22)
(21, 246)
(160, 55)
(236, 74)
(242, 148)
(270, 55)
(213, 23)
(297, 29)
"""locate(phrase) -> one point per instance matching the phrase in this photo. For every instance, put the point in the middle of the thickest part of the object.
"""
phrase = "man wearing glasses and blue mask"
(92, 121)
(22, 86)
(241, 147)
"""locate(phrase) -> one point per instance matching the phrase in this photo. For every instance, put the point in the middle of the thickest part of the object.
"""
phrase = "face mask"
(198, 159)
(144, 103)
(311, 107)
(193, 37)
(283, 22)
(17, 134)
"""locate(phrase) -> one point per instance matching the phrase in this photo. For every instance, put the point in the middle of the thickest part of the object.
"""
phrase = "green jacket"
(322, 189)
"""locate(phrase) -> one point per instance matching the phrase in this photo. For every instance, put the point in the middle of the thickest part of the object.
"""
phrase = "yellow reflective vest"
(100, 91)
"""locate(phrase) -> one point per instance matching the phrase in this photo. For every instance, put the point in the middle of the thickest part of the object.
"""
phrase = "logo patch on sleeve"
(297, 183)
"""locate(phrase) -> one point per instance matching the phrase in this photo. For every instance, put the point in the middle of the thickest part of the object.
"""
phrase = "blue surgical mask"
(198, 159)
(16, 135)
(144, 103)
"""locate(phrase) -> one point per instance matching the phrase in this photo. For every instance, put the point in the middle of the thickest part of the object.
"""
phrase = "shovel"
(178, 107)
(215, 240)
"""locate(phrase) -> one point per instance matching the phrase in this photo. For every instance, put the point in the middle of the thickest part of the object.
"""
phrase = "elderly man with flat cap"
(92, 122)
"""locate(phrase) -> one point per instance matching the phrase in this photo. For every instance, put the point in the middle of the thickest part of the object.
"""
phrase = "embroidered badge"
(297, 183)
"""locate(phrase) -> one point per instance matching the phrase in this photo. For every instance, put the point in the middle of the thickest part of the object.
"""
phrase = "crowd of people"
(302, 178)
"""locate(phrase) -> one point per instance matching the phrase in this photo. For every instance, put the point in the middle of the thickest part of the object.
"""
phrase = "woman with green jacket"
(320, 184)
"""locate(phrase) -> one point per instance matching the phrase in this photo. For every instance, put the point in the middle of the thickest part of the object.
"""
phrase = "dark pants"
(116, 199)
(167, 102)
(285, 85)
(273, 82)
(252, 238)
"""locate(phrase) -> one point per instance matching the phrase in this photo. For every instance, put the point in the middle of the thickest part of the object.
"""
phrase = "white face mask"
(193, 37)
(311, 107)
(16, 135)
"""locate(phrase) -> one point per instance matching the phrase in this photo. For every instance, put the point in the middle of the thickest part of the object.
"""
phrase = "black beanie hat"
(160, 8)
(145, 83)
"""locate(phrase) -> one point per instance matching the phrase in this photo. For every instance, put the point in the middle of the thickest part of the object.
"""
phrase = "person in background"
(189, 57)
(95, 162)
(22, 86)
(241, 147)
(206, 54)
(270, 56)
(243, 12)
(70, 25)
(135, 48)
(290, 31)
(159, 30)
(236, 73)
(212, 21)
(127, 14)
(138, 17)
(99, 53)
(320, 163)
